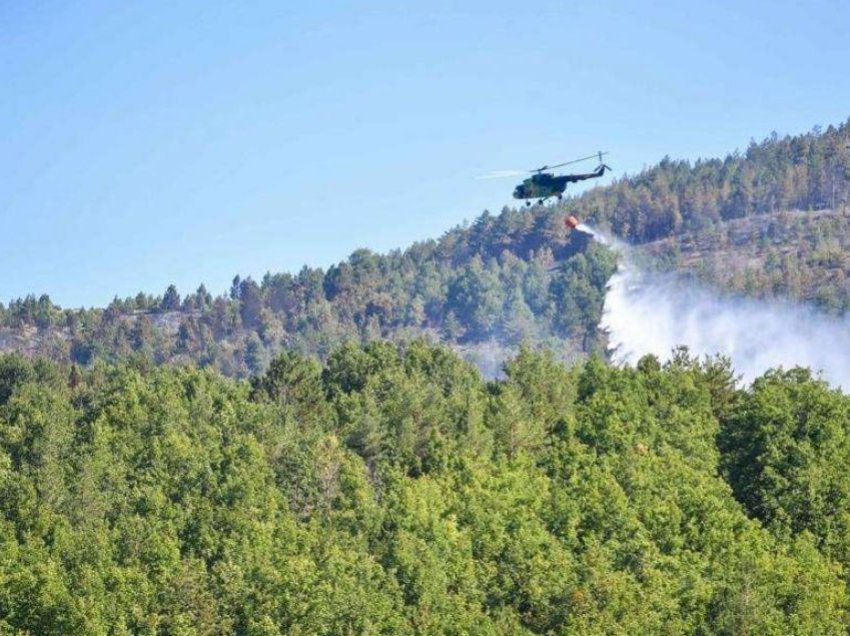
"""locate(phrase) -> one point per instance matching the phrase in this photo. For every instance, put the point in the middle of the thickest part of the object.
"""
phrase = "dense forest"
(391, 490)
(753, 223)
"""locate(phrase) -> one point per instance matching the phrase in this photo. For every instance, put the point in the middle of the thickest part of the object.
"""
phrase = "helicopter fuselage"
(543, 185)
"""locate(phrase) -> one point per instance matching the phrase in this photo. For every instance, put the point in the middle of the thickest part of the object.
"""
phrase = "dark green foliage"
(295, 384)
(579, 293)
(786, 451)
(392, 491)
(170, 300)
(14, 371)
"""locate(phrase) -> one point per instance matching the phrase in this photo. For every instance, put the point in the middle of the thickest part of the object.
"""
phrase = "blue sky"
(148, 143)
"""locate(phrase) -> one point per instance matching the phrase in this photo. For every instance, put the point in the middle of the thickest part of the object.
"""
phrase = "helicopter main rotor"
(501, 174)
(599, 154)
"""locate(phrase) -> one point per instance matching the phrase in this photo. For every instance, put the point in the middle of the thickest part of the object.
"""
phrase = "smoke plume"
(647, 313)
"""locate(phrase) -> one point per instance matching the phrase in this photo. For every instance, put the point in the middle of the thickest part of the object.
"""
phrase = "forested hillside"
(396, 492)
(806, 172)
(799, 255)
(483, 288)
(753, 222)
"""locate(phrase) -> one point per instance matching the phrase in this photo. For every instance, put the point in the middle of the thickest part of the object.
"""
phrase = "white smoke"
(647, 313)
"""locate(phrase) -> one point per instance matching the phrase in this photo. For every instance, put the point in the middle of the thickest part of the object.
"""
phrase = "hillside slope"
(519, 276)
(757, 223)
(798, 255)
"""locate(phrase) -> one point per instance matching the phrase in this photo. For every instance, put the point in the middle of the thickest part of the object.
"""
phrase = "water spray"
(649, 313)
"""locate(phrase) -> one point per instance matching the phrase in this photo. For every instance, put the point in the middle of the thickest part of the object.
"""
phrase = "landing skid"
(543, 200)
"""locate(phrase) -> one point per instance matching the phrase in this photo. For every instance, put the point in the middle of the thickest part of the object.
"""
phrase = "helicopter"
(542, 184)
